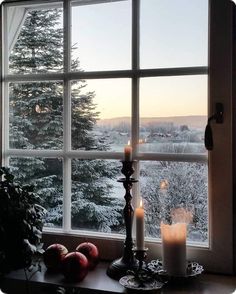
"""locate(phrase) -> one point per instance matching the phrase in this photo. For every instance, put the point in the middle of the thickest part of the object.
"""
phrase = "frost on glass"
(173, 114)
(101, 35)
(101, 116)
(187, 188)
(35, 115)
(35, 38)
(173, 33)
(97, 199)
(45, 174)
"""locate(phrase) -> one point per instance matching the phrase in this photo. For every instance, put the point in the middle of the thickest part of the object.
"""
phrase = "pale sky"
(173, 34)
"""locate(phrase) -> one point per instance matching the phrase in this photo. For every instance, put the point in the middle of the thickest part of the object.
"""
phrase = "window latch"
(218, 116)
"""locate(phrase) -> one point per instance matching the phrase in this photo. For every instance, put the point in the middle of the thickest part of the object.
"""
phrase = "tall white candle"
(139, 215)
(174, 248)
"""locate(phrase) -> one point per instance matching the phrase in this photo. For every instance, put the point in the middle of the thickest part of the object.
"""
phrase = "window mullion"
(180, 157)
(67, 194)
(5, 124)
(5, 43)
(135, 90)
(154, 72)
(67, 119)
(5, 90)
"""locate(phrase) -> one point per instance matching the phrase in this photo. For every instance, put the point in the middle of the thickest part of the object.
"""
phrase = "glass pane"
(35, 40)
(173, 114)
(173, 33)
(97, 198)
(101, 36)
(45, 174)
(35, 115)
(101, 114)
(186, 187)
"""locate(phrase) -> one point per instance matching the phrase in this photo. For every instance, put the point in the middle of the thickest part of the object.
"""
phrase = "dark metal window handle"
(218, 116)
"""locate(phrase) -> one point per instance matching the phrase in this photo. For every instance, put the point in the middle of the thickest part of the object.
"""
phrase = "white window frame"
(219, 256)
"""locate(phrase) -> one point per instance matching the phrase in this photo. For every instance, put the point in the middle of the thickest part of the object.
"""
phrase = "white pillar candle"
(174, 248)
(128, 153)
(139, 215)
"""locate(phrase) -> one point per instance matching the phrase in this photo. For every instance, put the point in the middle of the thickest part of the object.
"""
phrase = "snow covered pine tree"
(36, 122)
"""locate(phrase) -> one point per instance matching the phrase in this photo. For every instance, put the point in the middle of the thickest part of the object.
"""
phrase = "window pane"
(173, 114)
(101, 111)
(101, 36)
(45, 174)
(186, 188)
(173, 33)
(35, 40)
(97, 198)
(35, 115)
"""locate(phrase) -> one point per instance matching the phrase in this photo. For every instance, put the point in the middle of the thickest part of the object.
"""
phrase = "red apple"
(54, 255)
(91, 252)
(75, 266)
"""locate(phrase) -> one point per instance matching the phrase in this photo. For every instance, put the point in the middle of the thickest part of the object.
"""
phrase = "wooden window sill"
(98, 282)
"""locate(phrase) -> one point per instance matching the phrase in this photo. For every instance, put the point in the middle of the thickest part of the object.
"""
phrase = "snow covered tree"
(187, 188)
(36, 122)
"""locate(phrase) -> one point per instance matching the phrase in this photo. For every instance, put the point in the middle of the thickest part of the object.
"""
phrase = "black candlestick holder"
(119, 267)
(140, 255)
(143, 278)
(140, 277)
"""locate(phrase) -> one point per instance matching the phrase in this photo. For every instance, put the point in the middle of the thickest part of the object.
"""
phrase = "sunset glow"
(102, 34)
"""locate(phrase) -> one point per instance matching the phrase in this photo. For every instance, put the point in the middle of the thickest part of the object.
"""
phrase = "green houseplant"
(21, 223)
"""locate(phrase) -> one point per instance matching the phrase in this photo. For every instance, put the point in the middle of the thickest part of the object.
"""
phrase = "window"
(81, 78)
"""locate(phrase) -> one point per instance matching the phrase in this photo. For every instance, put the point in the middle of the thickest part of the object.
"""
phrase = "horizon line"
(153, 117)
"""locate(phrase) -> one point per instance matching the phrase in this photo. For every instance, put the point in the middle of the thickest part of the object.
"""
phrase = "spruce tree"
(36, 122)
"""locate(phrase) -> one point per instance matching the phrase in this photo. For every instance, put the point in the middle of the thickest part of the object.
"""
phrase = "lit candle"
(174, 248)
(163, 198)
(164, 185)
(128, 152)
(139, 213)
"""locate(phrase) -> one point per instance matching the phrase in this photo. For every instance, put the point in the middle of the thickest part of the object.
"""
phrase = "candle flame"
(180, 215)
(128, 143)
(141, 203)
(174, 233)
